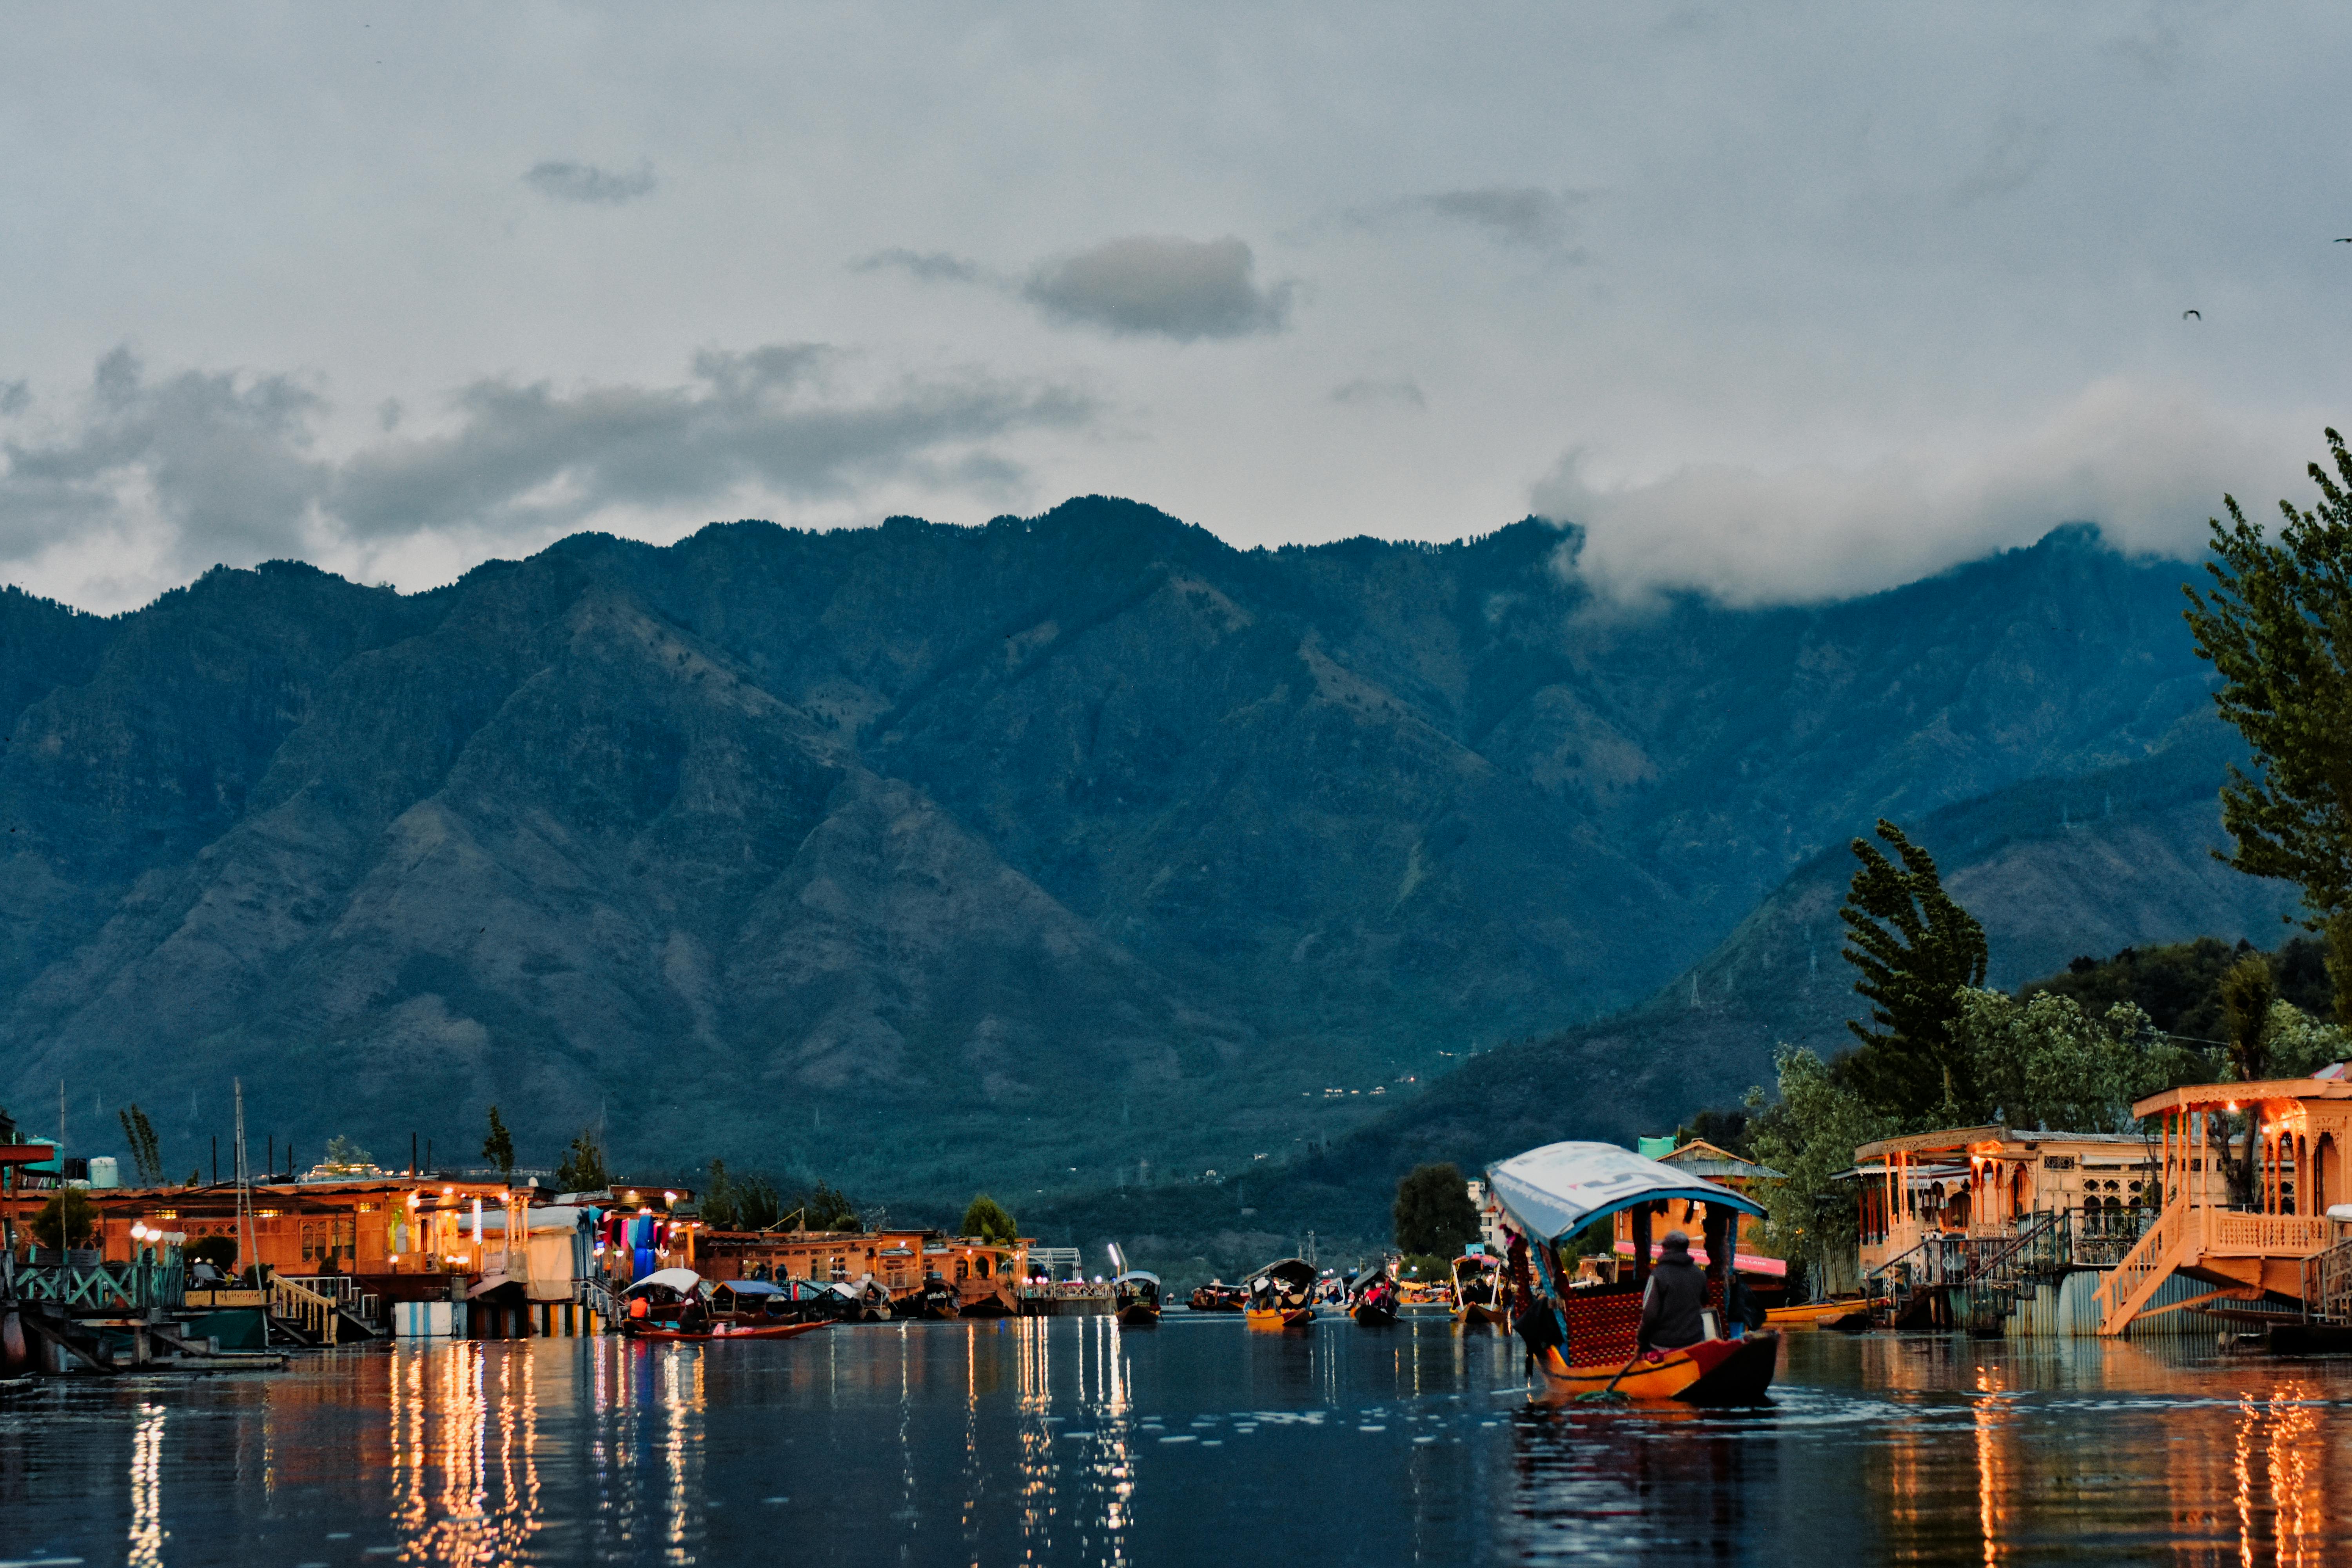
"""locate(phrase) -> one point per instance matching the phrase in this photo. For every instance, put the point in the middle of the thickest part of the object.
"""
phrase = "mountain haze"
(928, 858)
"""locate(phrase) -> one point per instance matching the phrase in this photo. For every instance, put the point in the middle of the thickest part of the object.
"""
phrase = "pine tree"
(498, 1147)
(583, 1168)
(2277, 627)
(1917, 950)
(146, 1153)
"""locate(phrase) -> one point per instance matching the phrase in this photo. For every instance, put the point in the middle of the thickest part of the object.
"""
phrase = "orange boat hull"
(1276, 1320)
(1713, 1372)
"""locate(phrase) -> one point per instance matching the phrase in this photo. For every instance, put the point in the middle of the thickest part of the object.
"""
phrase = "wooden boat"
(1217, 1296)
(1372, 1297)
(1584, 1338)
(937, 1301)
(733, 1331)
(1850, 1312)
(1135, 1297)
(1482, 1297)
(1281, 1296)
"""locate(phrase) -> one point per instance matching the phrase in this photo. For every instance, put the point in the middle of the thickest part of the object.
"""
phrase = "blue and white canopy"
(1561, 1188)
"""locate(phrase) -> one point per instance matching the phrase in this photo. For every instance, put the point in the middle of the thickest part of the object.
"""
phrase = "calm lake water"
(1072, 1441)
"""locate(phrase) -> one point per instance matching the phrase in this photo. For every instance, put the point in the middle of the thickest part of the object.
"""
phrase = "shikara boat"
(1583, 1340)
(1135, 1297)
(1372, 1297)
(1281, 1296)
(1482, 1296)
(1217, 1296)
(1845, 1312)
(937, 1301)
(734, 1331)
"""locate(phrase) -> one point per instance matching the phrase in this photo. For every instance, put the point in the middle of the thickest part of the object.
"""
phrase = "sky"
(1781, 303)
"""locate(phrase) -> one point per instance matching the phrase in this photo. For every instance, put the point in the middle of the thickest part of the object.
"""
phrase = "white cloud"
(2149, 465)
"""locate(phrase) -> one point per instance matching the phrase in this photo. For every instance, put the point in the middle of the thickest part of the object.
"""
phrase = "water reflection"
(1073, 1441)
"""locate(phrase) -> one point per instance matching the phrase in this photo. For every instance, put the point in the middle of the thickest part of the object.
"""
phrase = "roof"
(1701, 1158)
(2214, 1096)
(1961, 1139)
(1563, 1188)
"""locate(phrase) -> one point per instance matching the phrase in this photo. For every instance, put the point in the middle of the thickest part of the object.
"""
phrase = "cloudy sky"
(1780, 301)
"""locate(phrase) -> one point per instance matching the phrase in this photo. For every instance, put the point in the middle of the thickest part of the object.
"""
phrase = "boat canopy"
(682, 1280)
(1295, 1273)
(1138, 1276)
(1561, 1188)
(752, 1287)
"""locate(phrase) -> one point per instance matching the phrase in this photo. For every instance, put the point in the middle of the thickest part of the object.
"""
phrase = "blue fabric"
(644, 1263)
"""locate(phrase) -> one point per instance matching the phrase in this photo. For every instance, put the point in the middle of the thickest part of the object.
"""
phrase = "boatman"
(1675, 1295)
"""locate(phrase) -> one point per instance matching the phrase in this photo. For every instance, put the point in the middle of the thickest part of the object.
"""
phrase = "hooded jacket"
(1671, 1306)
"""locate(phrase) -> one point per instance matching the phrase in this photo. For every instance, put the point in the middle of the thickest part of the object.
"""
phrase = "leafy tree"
(1915, 950)
(827, 1208)
(498, 1147)
(2247, 992)
(139, 1133)
(582, 1168)
(2045, 1063)
(986, 1217)
(342, 1154)
(1808, 1131)
(2277, 627)
(1432, 1211)
(67, 1219)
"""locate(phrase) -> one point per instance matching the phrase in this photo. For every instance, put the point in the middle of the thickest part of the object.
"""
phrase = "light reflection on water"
(1073, 1441)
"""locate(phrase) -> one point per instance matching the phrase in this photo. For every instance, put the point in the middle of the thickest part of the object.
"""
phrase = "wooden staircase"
(2245, 1255)
(2131, 1284)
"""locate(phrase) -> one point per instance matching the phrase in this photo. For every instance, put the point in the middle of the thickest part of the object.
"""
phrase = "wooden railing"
(2229, 1233)
(2147, 1259)
(308, 1310)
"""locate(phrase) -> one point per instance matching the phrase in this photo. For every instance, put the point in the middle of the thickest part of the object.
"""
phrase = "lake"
(1070, 1440)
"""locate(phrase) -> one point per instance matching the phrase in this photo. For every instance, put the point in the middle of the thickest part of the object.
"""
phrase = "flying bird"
(2186, 314)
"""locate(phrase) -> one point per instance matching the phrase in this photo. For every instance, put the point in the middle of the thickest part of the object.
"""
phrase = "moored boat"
(1481, 1295)
(1840, 1312)
(1281, 1295)
(1135, 1297)
(1217, 1296)
(1372, 1297)
(1584, 1339)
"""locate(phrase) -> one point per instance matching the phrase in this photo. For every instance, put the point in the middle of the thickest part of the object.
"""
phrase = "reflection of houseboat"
(1135, 1297)
(1480, 1292)
(1585, 1340)
(1281, 1295)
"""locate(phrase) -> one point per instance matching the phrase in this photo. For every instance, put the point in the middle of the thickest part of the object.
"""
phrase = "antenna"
(249, 1242)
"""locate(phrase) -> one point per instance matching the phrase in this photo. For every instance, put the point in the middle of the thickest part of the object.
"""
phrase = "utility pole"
(61, 1128)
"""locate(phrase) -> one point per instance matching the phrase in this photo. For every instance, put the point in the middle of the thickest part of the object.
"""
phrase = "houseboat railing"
(2328, 1285)
(298, 1304)
(91, 1287)
(342, 1290)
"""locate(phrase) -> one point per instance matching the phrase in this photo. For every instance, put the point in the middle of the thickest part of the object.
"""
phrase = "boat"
(1581, 1339)
(665, 1293)
(936, 1302)
(719, 1330)
(1372, 1297)
(1281, 1295)
(1839, 1313)
(751, 1303)
(1217, 1296)
(1480, 1293)
(1135, 1297)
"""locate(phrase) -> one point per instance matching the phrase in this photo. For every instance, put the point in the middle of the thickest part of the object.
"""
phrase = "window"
(980, 1267)
(840, 1267)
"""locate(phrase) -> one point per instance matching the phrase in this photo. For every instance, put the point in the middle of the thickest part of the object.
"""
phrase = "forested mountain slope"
(936, 857)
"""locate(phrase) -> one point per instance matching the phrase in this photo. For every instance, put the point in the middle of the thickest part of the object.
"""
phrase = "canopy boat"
(665, 1295)
(752, 1303)
(1583, 1340)
(1372, 1297)
(937, 1301)
(1217, 1296)
(1135, 1297)
(1481, 1294)
(1281, 1295)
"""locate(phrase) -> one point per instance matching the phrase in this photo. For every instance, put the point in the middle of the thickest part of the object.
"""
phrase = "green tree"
(1807, 1129)
(582, 1168)
(1915, 950)
(146, 1153)
(344, 1155)
(67, 1219)
(2044, 1062)
(498, 1147)
(984, 1216)
(2277, 628)
(1434, 1213)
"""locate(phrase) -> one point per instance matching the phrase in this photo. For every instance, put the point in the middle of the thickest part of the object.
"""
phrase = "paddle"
(1609, 1394)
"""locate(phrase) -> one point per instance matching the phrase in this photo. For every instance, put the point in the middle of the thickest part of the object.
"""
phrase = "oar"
(1609, 1394)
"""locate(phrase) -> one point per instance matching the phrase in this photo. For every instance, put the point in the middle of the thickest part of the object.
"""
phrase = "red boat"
(733, 1331)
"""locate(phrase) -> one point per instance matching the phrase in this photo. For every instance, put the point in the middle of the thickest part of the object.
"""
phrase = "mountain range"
(1076, 857)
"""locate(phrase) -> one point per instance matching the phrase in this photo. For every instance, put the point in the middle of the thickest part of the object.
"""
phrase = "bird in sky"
(2186, 314)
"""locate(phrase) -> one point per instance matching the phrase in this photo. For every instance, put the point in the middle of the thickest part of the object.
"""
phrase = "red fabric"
(1601, 1325)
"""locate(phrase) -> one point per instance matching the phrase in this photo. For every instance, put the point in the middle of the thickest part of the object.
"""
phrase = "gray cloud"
(1164, 286)
(930, 265)
(586, 182)
(1364, 389)
(226, 463)
(221, 459)
(1523, 215)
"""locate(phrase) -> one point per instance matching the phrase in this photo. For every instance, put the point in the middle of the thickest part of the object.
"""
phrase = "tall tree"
(1432, 1212)
(498, 1147)
(2277, 627)
(582, 1168)
(1917, 950)
(146, 1153)
(2247, 992)
(984, 1217)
